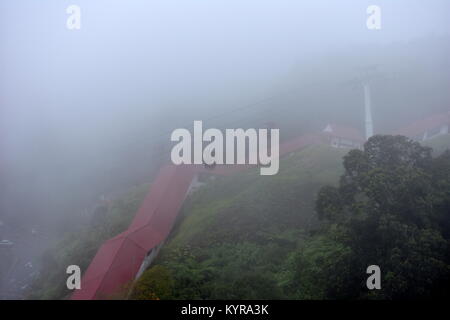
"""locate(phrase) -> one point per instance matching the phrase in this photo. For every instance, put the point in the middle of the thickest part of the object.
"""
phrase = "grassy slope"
(235, 236)
(247, 206)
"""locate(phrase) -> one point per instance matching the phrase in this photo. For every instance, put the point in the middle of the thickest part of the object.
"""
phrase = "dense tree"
(392, 210)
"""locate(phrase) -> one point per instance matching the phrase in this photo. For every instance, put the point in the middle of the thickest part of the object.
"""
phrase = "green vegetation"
(155, 284)
(252, 237)
(80, 247)
(237, 236)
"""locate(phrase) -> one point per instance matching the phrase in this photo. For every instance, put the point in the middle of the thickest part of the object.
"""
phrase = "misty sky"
(76, 101)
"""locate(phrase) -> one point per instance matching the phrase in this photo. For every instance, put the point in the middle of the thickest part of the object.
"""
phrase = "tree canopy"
(391, 209)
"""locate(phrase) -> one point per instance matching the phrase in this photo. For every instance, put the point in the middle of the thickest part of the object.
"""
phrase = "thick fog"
(89, 112)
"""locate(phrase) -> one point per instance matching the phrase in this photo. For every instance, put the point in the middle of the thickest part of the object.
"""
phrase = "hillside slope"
(245, 236)
(236, 235)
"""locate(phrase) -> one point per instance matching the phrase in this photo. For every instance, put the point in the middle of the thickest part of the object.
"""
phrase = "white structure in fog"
(343, 137)
(368, 111)
(427, 128)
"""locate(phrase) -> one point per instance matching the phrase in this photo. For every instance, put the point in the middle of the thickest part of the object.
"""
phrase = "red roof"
(343, 132)
(423, 125)
(119, 259)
